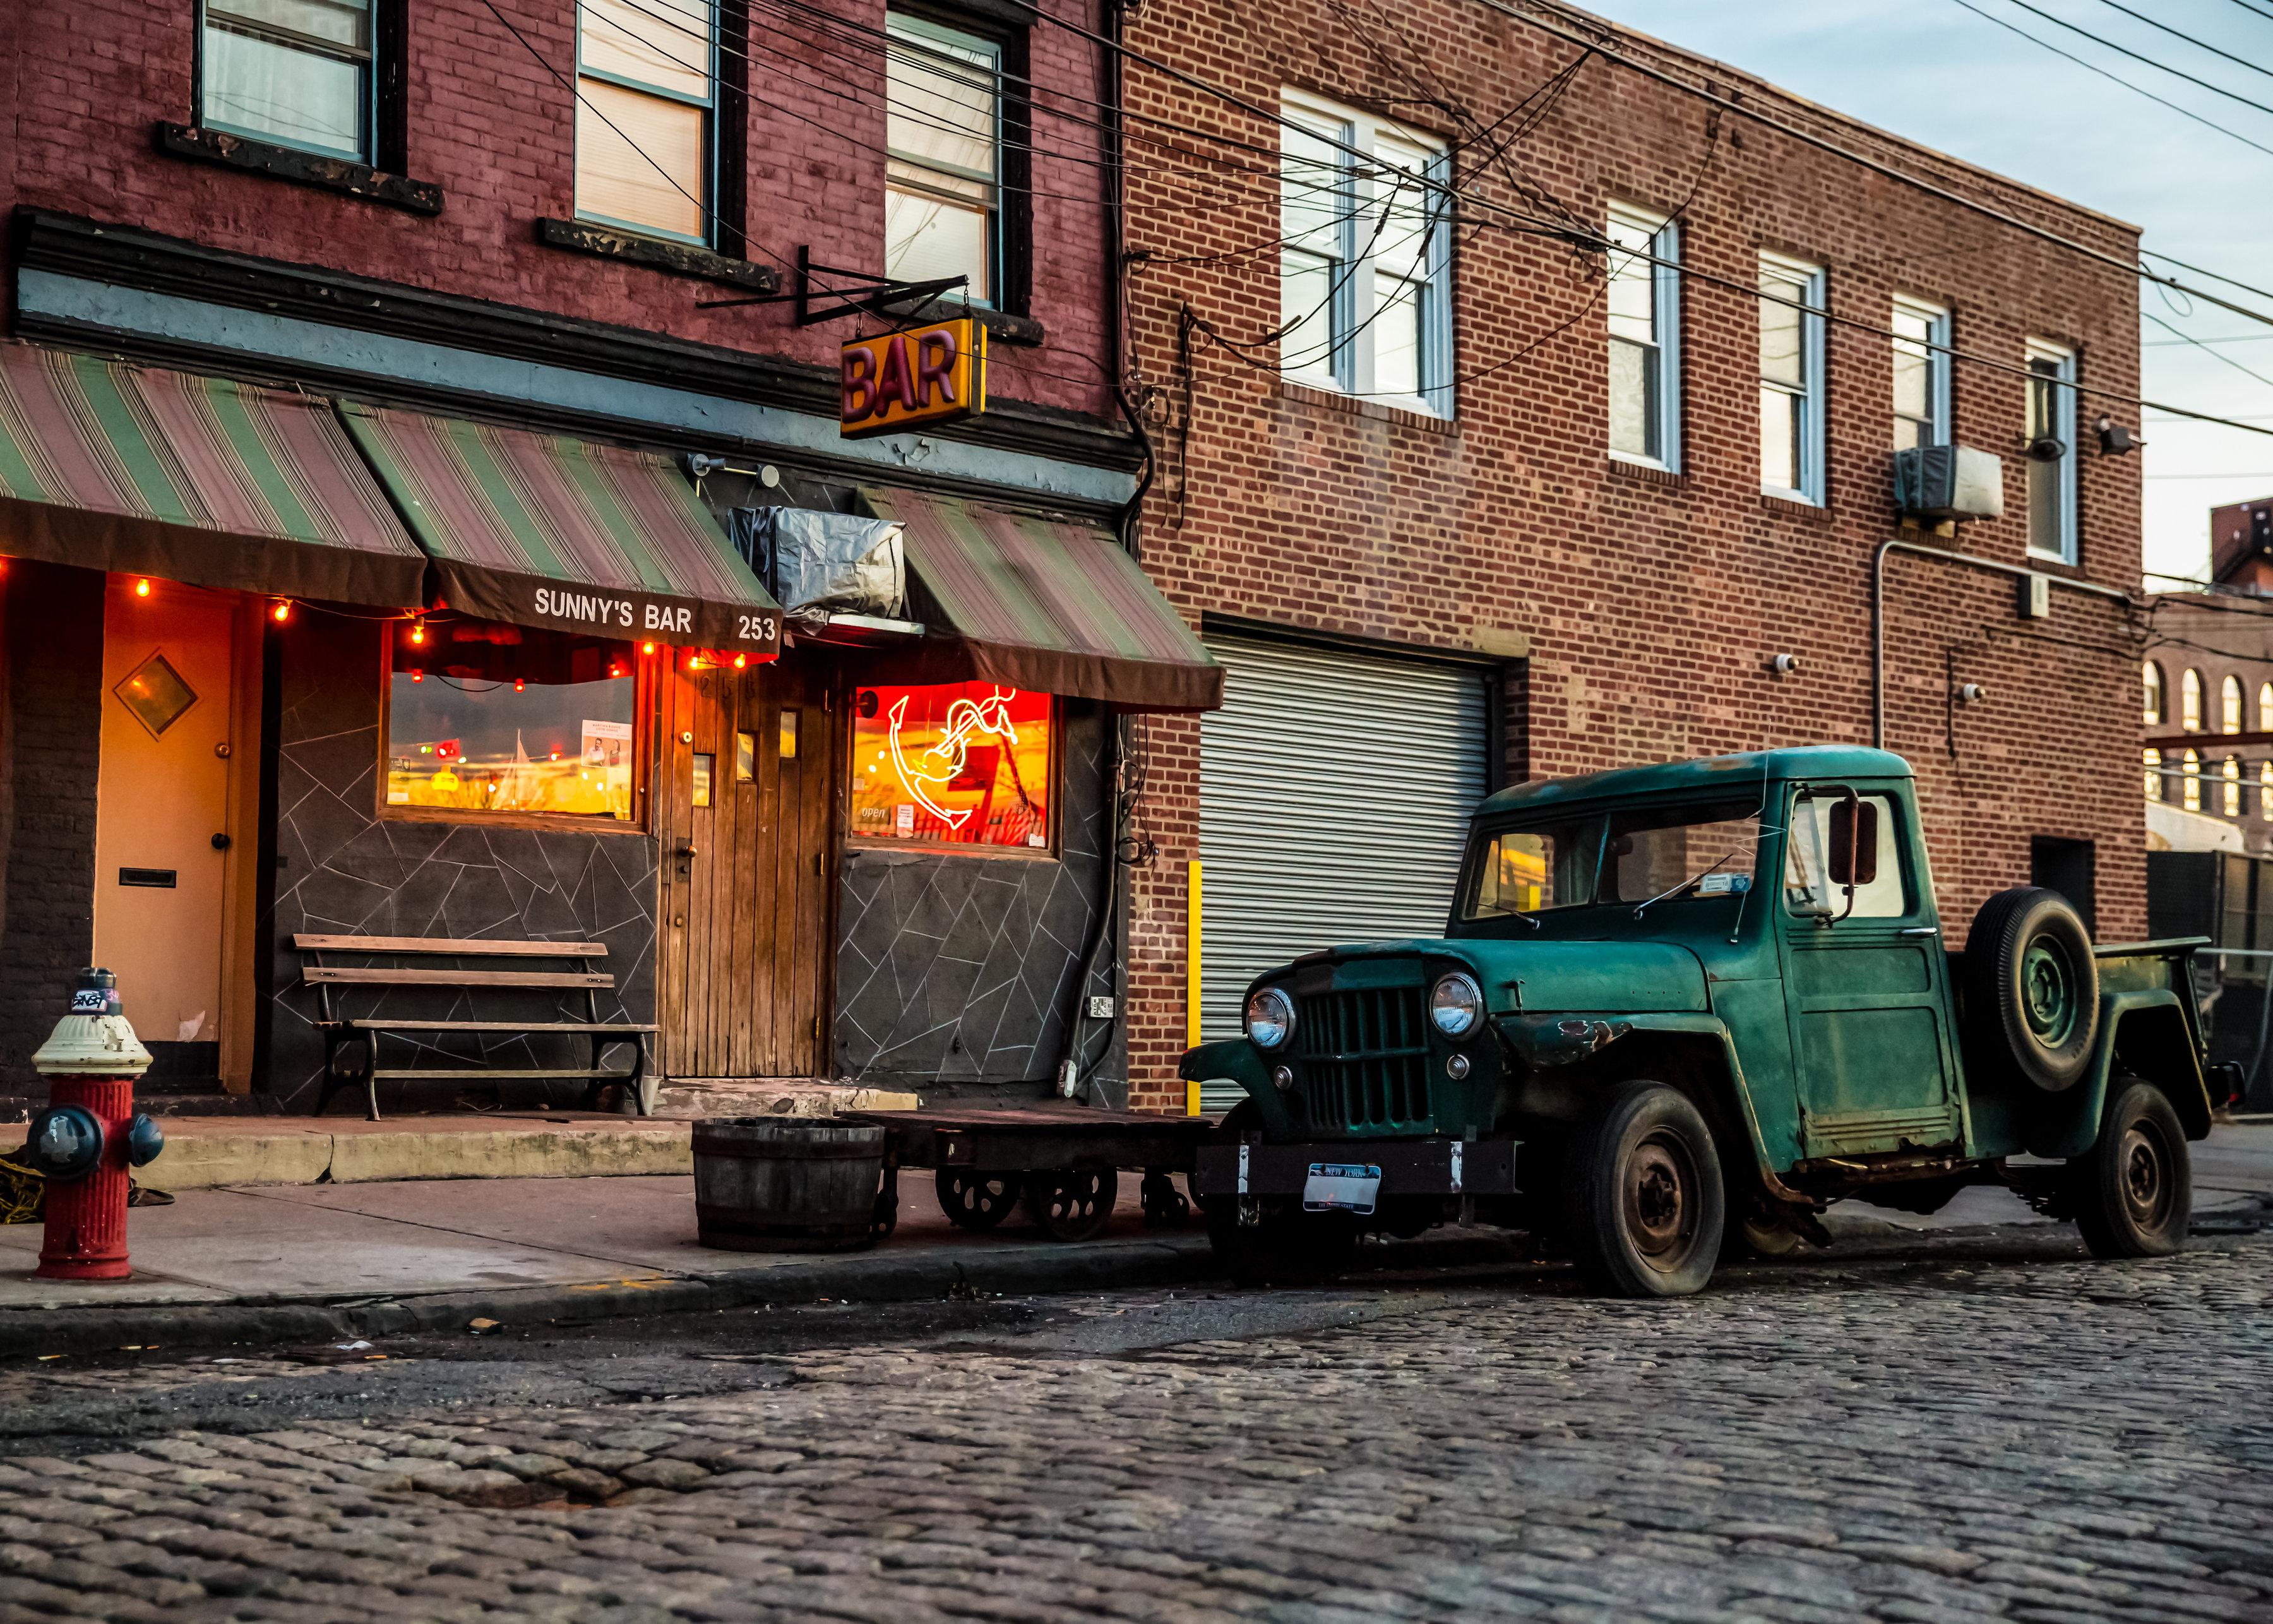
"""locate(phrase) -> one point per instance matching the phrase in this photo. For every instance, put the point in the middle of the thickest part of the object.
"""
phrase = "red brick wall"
(1653, 604)
(89, 82)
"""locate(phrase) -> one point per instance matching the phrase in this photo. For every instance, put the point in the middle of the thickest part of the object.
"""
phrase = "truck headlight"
(1456, 1005)
(1269, 1017)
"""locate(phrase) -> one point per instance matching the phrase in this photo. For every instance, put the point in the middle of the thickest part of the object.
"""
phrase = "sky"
(1933, 72)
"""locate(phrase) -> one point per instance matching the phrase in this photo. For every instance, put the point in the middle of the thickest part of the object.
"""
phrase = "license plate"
(1340, 1187)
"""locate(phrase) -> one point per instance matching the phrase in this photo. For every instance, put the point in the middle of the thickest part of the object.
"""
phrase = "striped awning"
(570, 535)
(148, 472)
(1048, 604)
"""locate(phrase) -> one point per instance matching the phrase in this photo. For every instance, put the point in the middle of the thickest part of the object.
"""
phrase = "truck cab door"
(1865, 978)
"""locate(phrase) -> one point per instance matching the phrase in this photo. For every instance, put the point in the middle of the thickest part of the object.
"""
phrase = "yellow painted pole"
(1192, 975)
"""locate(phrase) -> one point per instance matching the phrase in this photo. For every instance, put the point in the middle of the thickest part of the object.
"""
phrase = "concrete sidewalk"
(323, 1261)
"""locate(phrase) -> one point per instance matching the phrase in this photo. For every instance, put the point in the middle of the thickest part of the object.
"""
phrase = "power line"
(2180, 34)
(2213, 355)
(2141, 57)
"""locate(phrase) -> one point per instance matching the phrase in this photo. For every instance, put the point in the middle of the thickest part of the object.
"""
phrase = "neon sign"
(944, 761)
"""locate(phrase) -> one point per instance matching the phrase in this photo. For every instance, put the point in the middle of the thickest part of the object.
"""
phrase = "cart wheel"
(1072, 1204)
(887, 1213)
(1163, 1202)
(976, 1200)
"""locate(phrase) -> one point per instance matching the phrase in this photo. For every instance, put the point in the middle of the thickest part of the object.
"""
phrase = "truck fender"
(1730, 1094)
(1238, 1060)
(2142, 1033)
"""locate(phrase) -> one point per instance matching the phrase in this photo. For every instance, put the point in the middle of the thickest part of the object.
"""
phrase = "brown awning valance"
(1050, 605)
(202, 480)
(540, 529)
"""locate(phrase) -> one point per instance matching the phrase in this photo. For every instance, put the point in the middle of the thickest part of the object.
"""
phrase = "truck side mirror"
(1853, 843)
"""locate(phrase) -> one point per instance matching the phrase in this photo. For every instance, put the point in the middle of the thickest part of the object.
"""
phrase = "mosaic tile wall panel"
(343, 870)
(954, 975)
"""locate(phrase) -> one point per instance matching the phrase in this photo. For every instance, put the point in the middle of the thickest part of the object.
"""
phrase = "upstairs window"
(296, 72)
(1921, 375)
(1791, 379)
(646, 98)
(2151, 679)
(1644, 320)
(2229, 705)
(2154, 761)
(2052, 461)
(1365, 260)
(2190, 701)
(2190, 780)
(943, 165)
(2231, 793)
(2265, 707)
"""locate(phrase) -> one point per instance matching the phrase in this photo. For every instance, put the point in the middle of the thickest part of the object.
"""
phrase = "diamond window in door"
(156, 693)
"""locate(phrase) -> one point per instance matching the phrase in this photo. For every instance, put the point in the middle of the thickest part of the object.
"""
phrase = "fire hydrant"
(88, 1134)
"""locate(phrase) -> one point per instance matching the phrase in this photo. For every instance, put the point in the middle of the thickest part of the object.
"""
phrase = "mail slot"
(161, 879)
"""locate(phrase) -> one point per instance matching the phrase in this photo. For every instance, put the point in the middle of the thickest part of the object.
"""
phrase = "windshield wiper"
(1693, 881)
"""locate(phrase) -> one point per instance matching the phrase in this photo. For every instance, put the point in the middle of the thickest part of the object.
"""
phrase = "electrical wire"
(2180, 34)
(2140, 57)
(2214, 355)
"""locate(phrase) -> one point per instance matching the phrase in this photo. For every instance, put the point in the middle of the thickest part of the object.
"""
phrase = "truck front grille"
(1365, 1057)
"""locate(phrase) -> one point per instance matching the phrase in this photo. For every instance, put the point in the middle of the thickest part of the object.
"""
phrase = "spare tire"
(2031, 988)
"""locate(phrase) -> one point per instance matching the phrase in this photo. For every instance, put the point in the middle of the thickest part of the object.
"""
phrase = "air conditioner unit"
(1949, 482)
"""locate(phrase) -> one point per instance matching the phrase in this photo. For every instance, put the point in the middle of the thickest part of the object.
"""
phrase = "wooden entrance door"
(165, 827)
(747, 820)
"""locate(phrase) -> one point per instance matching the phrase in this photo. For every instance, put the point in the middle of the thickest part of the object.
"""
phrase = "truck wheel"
(1288, 1248)
(2134, 1190)
(2032, 987)
(1644, 1200)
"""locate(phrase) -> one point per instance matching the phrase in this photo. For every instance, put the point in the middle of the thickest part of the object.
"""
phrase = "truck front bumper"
(1408, 1167)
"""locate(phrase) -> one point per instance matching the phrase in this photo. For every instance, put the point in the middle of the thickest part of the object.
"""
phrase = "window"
(2265, 790)
(2229, 705)
(1791, 379)
(2154, 761)
(297, 72)
(2051, 451)
(955, 763)
(2265, 707)
(1815, 857)
(486, 717)
(1365, 263)
(2151, 676)
(2190, 778)
(1661, 856)
(2232, 773)
(2190, 702)
(1921, 375)
(944, 166)
(646, 92)
(1645, 320)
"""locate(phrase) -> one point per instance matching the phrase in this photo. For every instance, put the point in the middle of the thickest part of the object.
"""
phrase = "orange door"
(162, 804)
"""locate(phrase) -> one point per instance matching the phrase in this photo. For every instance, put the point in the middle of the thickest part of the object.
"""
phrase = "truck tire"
(2132, 1191)
(1644, 1198)
(2031, 988)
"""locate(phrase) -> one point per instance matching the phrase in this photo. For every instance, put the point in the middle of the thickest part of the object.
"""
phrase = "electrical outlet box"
(1101, 1006)
(2034, 597)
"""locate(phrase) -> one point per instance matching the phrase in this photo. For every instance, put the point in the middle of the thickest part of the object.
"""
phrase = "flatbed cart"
(1063, 1162)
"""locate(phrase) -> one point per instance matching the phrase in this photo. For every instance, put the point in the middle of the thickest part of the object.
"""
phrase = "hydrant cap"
(94, 1040)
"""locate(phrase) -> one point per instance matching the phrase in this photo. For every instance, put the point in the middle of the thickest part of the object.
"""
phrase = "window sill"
(1001, 327)
(860, 845)
(342, 176)
(1797, 507)
(679, 258)
(559, 823)
(1350, 405)
(1647, 473)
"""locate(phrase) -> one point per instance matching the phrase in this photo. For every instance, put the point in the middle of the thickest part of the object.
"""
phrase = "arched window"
(2150, 679)
(2229, 705)
(2154, 763)
(2265, 707)
(2191, 769)
(2190, 698)
(2265, 791)
(2232, 773)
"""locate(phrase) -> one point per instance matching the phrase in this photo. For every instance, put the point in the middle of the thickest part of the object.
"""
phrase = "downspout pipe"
(1896, 544)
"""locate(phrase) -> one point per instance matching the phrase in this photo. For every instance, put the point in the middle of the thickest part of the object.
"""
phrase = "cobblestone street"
(1982, 1429)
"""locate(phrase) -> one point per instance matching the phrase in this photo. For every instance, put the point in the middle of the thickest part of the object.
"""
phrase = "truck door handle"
(1919, 931)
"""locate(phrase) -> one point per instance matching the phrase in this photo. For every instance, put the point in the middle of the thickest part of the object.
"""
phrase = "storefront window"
(487, 718)
(958, 764)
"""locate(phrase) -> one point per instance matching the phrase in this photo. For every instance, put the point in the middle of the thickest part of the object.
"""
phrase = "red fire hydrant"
(88, 1134)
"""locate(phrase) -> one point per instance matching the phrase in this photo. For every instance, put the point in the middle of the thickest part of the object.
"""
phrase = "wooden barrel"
(786, 1184)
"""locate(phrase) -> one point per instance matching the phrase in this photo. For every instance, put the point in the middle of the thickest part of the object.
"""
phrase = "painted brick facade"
(495, 130)
(1652, 603)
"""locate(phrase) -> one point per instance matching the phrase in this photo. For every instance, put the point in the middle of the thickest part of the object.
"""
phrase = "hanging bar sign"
(898, 382)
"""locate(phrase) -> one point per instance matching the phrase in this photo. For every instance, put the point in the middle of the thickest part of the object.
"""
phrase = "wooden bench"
(539, 966)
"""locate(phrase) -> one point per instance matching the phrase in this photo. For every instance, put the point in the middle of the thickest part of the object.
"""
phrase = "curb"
(861, 1277)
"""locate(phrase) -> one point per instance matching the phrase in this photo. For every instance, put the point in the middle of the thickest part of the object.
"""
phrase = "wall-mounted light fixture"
(1971, 694)
(1783, 665)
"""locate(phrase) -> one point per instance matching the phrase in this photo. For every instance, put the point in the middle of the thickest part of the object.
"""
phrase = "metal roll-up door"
(1335, 791)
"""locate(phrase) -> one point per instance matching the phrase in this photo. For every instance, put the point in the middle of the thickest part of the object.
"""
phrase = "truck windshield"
(1632, 855)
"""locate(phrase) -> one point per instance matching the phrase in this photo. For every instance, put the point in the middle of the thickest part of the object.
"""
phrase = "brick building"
(400, 398)
(2206, 693)
(1534, 510)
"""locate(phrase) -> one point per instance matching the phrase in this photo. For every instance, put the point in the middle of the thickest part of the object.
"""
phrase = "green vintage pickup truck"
(1677, 1012)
